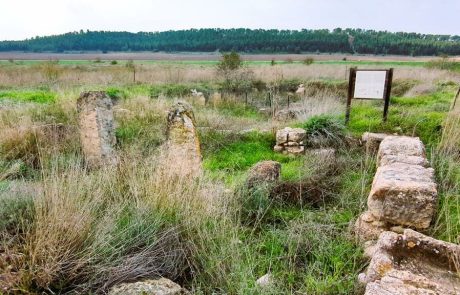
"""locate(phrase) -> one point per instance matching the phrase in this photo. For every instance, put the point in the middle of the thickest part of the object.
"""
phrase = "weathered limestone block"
(149, 287)
(412, 264)
(289, 134)
(404, 148)
(97, 132)
(403, 194)
(411, 160)
(265, 172)
(294, 150)
(183, 145)
(372, 141)
(290, 141)
(368, 227)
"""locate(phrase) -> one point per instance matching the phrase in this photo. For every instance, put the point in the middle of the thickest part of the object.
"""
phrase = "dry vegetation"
(65, 229)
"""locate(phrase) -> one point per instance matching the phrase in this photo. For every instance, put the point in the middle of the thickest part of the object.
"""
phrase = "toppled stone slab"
(412, 264)
(290, 141)
(149, 287)
(403, 194)
(401, 149)
(183, 146)
(372, 141)
(267, 172)
(97, 132)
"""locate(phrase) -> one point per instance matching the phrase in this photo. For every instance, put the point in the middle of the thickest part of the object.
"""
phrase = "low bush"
(324, 130)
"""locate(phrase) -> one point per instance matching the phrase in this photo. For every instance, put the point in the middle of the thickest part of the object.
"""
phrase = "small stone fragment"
(149, 287)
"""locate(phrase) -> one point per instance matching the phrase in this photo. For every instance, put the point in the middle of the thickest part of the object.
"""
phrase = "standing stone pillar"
(97, 133)
(183, 146)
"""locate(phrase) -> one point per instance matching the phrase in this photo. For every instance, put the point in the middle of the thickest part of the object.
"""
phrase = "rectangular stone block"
(403, 194)
(402, 149)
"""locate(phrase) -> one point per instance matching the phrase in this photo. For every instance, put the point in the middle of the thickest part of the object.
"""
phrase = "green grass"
(37, 96)
(421, 116)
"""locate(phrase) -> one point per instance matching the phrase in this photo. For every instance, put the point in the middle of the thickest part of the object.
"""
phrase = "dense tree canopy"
(245, 40)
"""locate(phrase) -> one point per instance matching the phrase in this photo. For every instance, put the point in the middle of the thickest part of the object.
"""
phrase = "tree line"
(245, 40)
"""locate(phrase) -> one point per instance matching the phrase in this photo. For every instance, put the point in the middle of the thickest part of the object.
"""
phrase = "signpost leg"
(388, 83)
(351, 85)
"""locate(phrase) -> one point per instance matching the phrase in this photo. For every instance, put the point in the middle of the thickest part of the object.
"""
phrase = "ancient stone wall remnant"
(412, 263)
(97, 131)
(403, 193)
(183, 145)
(290, 141)
(372, 141)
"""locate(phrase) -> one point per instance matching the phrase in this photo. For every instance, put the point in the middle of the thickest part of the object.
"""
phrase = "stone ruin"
(97, 133)
(412, 263)
(183, 146)
(265, 172)
(404, 195)
(372, 141)
(290, 141)
(403, 192)
(161, 286)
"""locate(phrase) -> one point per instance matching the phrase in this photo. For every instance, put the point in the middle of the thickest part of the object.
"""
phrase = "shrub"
(308, 61)
(51, 70)
(324, 130)
(113, 62)
(230, 62)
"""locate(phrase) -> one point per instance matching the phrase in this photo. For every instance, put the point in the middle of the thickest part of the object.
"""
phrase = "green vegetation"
(70, 229)
(209, 40)
(38, 96)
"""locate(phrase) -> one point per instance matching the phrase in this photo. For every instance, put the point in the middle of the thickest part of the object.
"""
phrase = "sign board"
(369, 84)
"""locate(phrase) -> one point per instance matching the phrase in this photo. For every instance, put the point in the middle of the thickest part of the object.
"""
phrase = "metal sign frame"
(386, 91)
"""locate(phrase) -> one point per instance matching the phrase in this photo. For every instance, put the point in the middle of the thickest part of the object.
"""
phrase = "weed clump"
(324, 131)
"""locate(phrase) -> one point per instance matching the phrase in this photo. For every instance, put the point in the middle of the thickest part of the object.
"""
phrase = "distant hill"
(245, 40)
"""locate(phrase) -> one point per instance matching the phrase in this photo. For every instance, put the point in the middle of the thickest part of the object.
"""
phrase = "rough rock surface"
(286, 115)
(372, 141)
(265, 172)
(368, 227)
(150, 287)
(403, 194)
(412, 264)
(402, 148)
(265, 281)
(97, 132)
(183, 145)
(290, 141)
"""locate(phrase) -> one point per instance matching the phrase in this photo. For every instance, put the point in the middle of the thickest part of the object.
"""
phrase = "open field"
(214, 56)
(67, 229)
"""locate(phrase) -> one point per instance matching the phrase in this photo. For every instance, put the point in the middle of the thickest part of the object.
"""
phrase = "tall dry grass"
(446, 160)
(91, 231)
(105, 74)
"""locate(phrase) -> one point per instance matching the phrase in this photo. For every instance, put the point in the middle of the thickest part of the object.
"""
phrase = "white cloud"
(27, 18)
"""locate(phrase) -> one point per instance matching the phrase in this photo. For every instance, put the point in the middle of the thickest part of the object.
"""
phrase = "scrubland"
(67, 229)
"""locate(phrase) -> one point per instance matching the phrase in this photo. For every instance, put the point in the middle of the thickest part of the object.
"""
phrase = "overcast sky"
(21, 19)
